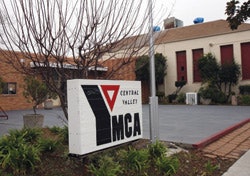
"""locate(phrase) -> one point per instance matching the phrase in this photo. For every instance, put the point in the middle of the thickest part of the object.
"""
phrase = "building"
(12, 98)
(183, 46)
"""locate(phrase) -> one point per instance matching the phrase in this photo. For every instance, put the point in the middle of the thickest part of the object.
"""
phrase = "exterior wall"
(127, 72)
(12, 101)
(209, 44)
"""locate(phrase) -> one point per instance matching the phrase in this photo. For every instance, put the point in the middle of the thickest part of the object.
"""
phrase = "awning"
(66, 66)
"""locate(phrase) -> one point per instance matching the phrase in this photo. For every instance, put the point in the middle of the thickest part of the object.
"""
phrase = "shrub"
(134, 161)
(35, 91)
(160, 94)
(181, 98)
(47, 145)
(171, 98)
(210, 168)
(180, 83)
(157, 150)
(167, 165)
(62, 132)
(213, 93)
(30, 135)
(17, 152)
(105, 166)
(208, 68)
(55, 129)
(244, 100)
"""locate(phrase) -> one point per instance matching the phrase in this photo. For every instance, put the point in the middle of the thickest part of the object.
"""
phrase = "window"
(245, 60)
(181, 66)
(227, 54)
(197, 54)
(9, 88)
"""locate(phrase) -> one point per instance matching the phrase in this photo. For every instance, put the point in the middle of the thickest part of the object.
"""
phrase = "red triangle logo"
(110, 93)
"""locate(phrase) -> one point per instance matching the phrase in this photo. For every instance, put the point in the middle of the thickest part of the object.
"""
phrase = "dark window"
(197, 54)
(181, 66)
(227, 54)
(245, 60)
(9, 88)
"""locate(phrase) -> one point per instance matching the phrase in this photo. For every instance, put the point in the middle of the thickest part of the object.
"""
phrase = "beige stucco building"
(183, 46)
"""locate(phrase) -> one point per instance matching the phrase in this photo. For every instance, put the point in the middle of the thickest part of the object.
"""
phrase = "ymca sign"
(102, 114)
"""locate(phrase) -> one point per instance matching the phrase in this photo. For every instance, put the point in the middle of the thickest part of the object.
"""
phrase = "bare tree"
(61, 40)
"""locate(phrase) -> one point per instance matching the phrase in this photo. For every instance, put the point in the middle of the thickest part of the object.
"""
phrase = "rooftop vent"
(172, 23)
(198, 20)
(156, 28)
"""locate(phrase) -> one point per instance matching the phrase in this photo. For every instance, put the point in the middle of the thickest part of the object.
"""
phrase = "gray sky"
(188, 10)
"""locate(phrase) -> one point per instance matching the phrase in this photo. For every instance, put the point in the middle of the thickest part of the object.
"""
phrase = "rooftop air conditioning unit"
(191, 98)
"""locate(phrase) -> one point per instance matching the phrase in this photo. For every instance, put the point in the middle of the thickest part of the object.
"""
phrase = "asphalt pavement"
(190, 124)
(187, 124)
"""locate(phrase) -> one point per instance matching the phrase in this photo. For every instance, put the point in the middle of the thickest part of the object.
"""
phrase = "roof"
(201, 30)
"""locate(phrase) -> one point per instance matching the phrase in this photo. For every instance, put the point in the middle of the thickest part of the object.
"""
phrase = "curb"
(220, 134)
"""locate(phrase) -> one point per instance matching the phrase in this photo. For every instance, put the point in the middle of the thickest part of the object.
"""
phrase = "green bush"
(135, 162)
(35, 91)
(30, 135)
(219, 97)
(213, 93)
(47, 145)
(172, 97)
(244, 99)
(181, 98)
(55, 129)
(167, 166)
(180, 83)
(17, 152)
(157, 150)
(105, 166)
(164, 165)
(210, 168)
(62, 132)
(160, 94)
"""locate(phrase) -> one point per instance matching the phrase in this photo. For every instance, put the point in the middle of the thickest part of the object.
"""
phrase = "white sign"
(102, 114)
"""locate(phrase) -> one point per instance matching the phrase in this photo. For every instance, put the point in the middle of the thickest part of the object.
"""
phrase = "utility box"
(191, 98)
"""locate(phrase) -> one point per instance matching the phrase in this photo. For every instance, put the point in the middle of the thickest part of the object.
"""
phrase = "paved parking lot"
(178, 123)
(191, 124)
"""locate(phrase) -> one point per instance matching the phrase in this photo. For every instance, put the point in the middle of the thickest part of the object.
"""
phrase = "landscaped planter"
(48, 104)
(33, 120)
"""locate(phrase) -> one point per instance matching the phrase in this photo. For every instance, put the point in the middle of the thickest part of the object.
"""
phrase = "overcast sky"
(188, 10)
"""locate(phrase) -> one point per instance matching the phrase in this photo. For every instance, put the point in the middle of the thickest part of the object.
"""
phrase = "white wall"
(209, 44)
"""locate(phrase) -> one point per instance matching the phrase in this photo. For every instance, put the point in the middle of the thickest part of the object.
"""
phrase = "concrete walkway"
(240, 167)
